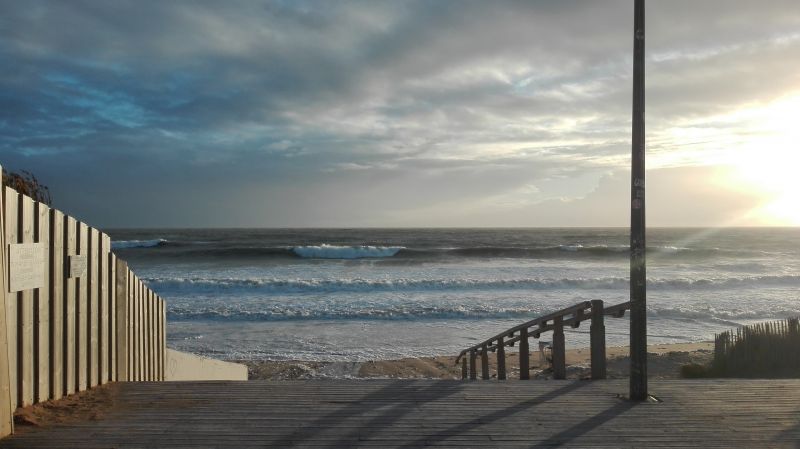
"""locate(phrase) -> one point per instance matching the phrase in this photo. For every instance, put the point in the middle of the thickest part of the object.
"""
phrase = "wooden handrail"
(556, 321)
(618, 311)
(536, 321)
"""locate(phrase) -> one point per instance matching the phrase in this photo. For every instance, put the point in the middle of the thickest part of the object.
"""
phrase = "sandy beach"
(665, 361)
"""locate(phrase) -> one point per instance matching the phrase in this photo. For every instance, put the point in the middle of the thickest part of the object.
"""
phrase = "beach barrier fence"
(552, 322)
(74, 315)
(767, 350)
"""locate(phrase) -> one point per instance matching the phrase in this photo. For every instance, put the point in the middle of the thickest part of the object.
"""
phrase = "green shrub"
(26, 183)
(694, 371)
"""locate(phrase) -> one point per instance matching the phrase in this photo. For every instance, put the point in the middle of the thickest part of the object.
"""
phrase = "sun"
(768, 161)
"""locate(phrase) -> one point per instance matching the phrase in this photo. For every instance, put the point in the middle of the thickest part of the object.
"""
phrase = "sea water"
(366, 294)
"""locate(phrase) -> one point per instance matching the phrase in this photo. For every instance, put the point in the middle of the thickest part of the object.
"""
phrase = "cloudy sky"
(401, 113)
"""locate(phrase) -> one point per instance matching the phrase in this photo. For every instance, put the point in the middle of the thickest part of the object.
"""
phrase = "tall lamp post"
(638, 283)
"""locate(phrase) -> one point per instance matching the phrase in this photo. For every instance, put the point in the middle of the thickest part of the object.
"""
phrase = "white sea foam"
(326, 251)
(123, 244)
(279, 286)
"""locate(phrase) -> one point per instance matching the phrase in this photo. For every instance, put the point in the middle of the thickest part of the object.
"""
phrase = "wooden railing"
(72, 316)
(554, 322)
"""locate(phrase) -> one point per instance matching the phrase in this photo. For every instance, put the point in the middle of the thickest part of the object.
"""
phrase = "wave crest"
(428, 311)
(326, 251)
(125, 244)
(279, 286)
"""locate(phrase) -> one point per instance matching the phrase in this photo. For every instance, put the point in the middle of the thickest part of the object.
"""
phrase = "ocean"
(370, 294)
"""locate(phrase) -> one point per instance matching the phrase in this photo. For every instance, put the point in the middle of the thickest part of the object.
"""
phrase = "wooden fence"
(766, 350)
(552, 322)
(75, 316)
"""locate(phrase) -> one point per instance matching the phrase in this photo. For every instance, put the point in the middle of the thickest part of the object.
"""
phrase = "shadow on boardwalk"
(496, 415)
(395, 401)
(398, 399)
(704, 413)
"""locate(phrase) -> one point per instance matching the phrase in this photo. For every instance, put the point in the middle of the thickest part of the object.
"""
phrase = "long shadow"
(581, 428)
(791, 434)
(495, 416)
(403, 394)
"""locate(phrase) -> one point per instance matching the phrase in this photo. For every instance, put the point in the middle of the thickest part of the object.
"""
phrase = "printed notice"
(77, 266)
(27, 263)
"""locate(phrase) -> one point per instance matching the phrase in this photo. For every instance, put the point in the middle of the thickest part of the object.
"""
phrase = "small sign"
(77, 266)
(27, 263)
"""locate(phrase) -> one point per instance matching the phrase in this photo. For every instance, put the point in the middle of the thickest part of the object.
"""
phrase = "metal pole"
(638, 285)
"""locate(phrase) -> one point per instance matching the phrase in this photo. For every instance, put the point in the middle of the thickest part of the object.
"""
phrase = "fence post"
(10, 216)
(464, 372)
(524, 355)
(485, 363)
(57, 299)
(122, 321)
(25, 303)
(597, 343)
(473, 371)
(501, 359)
(163, 356)
(6, 411)
(41, 309)
(559, 356)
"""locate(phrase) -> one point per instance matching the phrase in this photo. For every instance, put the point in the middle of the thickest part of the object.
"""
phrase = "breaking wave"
(325, 251)
(125, 244)
(428, 311)
(279, 286)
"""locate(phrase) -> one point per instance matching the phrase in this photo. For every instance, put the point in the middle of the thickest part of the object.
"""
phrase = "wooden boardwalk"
(409, 413)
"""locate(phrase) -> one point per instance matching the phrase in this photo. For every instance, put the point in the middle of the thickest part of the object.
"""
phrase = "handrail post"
(524, 355)
(485, 363)
(559, 356)
(501, 359)
(473, 371)
(464, 371)
(597, 342)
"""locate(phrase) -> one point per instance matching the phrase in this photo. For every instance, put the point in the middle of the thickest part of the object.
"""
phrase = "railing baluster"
(554, 322)
(524, 355)
(485, 362)
(473, 371)
(598, 341)
(559, 356)
(501, 359)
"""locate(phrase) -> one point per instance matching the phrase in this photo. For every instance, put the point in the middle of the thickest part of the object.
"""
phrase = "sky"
(401, 113)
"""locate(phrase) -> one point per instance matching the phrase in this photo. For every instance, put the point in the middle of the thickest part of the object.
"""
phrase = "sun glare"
(768, 160)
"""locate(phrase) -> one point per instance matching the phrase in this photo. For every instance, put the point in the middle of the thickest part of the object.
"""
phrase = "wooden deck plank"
(416, 413)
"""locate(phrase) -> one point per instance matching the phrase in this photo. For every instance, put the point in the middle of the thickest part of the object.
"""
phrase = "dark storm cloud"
(358, 112)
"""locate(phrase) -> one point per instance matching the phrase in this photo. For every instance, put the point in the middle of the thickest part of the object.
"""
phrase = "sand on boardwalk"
(664, 361)
(89, 405)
